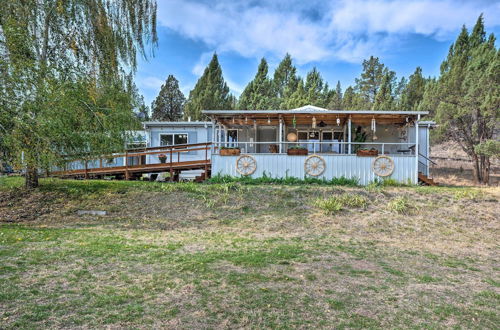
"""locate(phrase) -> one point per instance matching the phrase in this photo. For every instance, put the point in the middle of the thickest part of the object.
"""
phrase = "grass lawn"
(229, 255)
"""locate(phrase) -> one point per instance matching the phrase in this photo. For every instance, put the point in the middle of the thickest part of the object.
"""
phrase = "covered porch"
(346, 142)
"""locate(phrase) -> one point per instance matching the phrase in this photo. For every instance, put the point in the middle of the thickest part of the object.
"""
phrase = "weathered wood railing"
(143, 166)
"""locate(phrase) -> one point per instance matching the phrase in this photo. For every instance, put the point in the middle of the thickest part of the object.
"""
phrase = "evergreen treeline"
(376, 89)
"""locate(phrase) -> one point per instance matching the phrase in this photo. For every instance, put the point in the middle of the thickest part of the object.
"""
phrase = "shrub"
(334, 204)
(287, 180)
(400, 205)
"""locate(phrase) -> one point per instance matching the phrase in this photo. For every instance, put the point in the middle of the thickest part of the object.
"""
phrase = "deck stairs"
(424, 179)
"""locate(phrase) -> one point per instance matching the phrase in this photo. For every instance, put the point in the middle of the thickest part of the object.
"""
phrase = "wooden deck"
(173, 165)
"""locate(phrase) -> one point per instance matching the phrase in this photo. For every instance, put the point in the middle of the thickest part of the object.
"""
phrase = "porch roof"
(305, 114)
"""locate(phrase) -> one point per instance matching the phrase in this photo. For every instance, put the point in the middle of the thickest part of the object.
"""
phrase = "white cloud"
(202, 63)
(314, 30)
(153, 83)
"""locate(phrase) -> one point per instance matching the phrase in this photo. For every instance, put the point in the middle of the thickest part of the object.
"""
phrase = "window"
(173, 139)
(232, 138)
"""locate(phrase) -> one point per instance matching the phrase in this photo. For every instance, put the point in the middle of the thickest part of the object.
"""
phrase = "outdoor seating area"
(343, 143)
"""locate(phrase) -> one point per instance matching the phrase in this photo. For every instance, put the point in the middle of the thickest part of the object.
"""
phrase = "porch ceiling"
(330, 119)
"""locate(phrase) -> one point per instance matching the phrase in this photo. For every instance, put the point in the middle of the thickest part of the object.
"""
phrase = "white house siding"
(349, 166)
(196, 134)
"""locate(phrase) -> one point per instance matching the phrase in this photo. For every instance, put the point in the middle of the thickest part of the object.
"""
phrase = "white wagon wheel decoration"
(383, 166)
(246, 165)
(314, 165)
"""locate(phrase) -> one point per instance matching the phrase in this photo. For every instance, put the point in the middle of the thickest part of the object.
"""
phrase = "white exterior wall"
(349, 166)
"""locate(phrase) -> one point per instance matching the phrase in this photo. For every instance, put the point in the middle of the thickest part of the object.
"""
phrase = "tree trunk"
(31, 177)
(476, 170)
(485, 170)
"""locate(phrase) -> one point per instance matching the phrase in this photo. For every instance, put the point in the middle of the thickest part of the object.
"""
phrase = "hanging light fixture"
(268, 120)
(314, 122)
(338, 120)
(246, 120)
(233, 120)
(255, 124)
(374, 124)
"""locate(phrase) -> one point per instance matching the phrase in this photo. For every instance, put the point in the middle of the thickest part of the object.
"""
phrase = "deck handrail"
(136, 151)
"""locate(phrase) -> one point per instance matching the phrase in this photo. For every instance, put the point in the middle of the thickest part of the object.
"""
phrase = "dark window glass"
(181, 139)
(327, 136)
(166, 140)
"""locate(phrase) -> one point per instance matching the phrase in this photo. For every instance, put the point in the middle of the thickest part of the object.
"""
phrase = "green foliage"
(413, 92)
(342, 181)
(372, 78)
(488, 148)
(384, 100)
(210, 92)
(468, 95)
(285, 82)
(334, 204)
(65, 86)
(258, 93)
(169, 104)
(401, 205)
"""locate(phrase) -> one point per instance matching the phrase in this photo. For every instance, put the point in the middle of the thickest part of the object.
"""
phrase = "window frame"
(173, 138)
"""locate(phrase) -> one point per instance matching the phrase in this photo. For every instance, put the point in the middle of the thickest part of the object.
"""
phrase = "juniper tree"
(66, 76)
(169, 104)
(413, 92)
(210, 92)
(285, 82)
(257, 95)
(335, 102)
(468, 91)
(384, 100)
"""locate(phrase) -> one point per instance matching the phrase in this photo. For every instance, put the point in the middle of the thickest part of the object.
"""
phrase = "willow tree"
(66, 83)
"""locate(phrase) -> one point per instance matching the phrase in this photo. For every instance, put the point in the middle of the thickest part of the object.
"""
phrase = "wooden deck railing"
(170, 166)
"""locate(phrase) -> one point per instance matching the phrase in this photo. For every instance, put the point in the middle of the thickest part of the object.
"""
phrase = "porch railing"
(318, 147)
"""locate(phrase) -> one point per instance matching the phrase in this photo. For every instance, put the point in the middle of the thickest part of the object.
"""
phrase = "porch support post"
(212, 150)
(416, 149)
(280, 135)
(349, 135)
(219, 136)
(225, 135)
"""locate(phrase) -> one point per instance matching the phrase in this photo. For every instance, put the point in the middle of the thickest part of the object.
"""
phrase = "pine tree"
(371, 78)
(210, 92)
(257, 95)
(468, 91)
(169, 104)
(316, 90)
(285, 82)
(298, 98)
(413, 92)
(349, 99)
(335, 102)
(384, 100)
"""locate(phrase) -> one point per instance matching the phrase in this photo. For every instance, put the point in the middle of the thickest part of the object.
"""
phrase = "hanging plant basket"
(367, 152)
(230, 151)
(297, 152)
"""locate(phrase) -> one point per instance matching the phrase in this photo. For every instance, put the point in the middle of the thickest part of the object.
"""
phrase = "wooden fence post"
(86, 169)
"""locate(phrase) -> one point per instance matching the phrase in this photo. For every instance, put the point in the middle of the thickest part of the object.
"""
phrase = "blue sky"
(335, 36)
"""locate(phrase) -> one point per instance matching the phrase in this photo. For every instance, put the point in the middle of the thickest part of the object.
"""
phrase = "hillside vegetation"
(231, 255)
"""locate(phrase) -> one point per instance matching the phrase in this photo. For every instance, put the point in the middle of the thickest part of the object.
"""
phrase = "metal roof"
(176, 123)
(310, 109)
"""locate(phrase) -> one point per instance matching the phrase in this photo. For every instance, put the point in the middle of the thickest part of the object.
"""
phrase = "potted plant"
(229, 151)
(364, 152)
(297, 151)
(162, 158)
